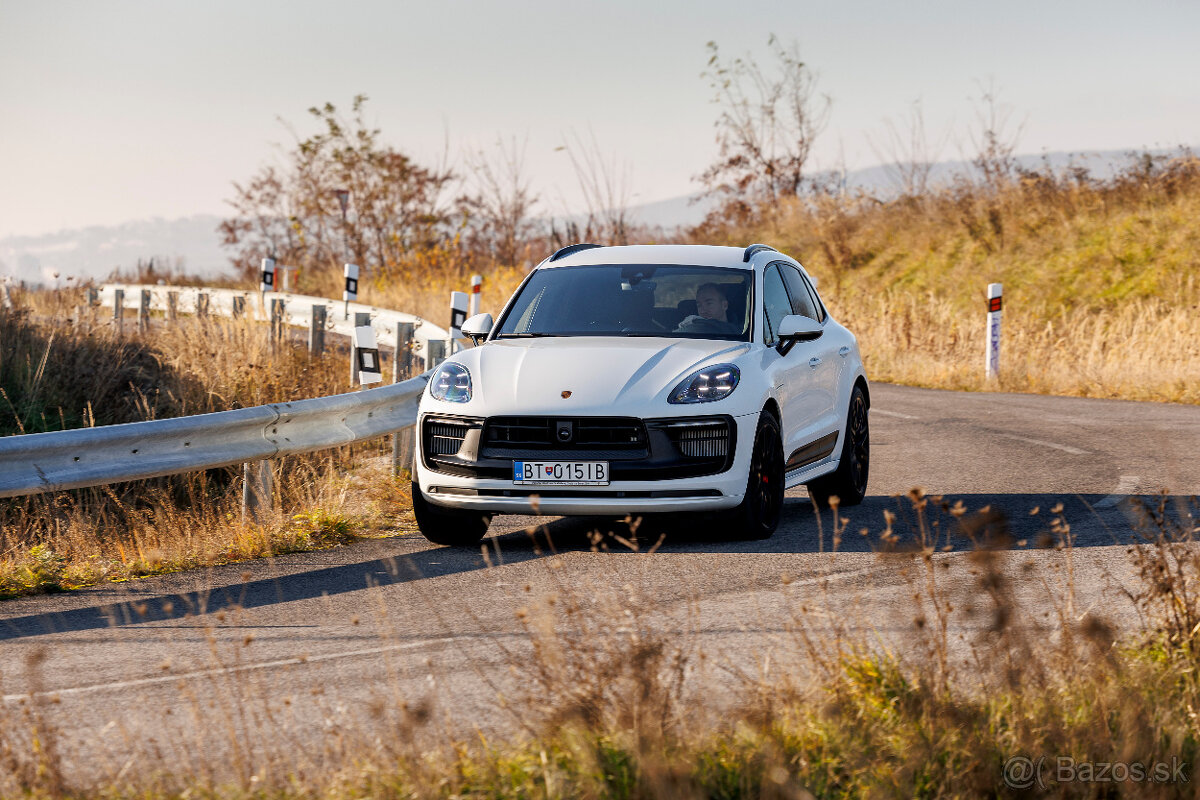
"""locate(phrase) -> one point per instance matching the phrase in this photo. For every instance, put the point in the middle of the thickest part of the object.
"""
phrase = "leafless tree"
(767, 125)
(907, 152)
(502, 200)
(993, 138)
(604, 185)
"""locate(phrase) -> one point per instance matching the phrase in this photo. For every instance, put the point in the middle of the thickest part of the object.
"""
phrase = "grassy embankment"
(1101, 279)
(58, 372)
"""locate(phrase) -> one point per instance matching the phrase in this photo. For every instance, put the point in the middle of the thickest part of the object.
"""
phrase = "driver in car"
(711, 307)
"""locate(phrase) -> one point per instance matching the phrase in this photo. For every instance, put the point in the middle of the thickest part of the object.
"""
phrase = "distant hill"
(191, 244)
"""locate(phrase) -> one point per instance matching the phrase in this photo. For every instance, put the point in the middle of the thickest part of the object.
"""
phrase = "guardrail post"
(144, 311)
(316, 330)
(277, 310)
(172, 306)
(402, 357)
(361, 318)
(437, 353)
(119, 310)
(202, 305)
(402, 440)
(92, 295)
(239, 306)
(258, 485)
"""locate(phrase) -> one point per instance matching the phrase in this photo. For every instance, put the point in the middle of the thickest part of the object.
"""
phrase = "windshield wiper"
(523, 335)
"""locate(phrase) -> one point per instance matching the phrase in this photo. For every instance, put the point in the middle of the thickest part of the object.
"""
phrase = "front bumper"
(636, 486)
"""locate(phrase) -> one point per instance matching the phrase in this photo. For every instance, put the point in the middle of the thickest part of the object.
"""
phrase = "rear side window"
(802, 302)
(812, 290)
(776, 304)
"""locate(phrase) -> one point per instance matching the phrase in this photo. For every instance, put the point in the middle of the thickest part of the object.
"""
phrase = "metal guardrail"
(297, 309)
(45, 462)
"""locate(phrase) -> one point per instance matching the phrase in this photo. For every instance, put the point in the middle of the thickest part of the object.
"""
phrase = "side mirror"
(797, 328)
(477, 327)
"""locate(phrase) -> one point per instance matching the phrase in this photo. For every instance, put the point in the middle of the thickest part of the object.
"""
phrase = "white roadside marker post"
(361, 319)
(366, 355)
(476, 286)
(267, 283)
(995, 302)
(458, 315)
(351, 290)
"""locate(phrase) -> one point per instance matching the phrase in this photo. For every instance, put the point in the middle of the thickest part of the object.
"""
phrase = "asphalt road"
(297, 657)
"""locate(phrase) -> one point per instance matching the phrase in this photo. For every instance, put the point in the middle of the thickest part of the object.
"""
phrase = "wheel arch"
(771, 407)
(861, 381)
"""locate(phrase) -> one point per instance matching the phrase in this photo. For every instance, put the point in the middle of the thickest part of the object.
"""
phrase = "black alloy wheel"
(758, 515)
(849, 482)
(859, 450)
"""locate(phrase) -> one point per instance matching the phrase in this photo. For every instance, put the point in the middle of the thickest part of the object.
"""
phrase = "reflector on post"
(268, 275)
(351, 290)
(476, 285)
(367, 354)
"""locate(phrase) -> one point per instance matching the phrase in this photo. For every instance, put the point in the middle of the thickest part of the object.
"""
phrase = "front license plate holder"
(560, 473)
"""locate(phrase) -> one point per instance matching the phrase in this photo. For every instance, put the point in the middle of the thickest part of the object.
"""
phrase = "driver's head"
(711, 302)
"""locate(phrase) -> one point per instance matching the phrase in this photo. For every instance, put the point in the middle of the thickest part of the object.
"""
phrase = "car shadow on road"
(958, 522)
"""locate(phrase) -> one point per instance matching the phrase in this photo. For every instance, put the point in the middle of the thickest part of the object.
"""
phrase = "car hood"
(617, 376)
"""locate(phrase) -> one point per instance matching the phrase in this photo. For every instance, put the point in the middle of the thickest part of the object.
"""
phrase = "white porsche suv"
(643, 380)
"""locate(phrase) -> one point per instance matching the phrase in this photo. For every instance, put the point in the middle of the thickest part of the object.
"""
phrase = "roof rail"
(569, 249)
(754, 249)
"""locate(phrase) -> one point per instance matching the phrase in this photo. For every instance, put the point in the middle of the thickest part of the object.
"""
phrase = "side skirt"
(810, 473)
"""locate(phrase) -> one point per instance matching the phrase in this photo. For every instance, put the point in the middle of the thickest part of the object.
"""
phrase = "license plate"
(561, 473)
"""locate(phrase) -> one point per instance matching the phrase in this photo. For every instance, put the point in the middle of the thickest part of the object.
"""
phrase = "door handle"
(843, 351)
(814, 362)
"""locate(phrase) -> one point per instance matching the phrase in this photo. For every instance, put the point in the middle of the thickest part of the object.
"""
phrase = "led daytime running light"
(707, 385)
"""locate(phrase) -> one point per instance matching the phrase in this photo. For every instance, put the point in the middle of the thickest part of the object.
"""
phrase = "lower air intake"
(708, 440)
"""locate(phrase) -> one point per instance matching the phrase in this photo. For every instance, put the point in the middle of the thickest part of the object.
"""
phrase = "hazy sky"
(111, 111)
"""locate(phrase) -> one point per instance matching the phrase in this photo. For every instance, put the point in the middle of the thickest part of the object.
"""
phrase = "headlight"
(451, 383)
(703, 386)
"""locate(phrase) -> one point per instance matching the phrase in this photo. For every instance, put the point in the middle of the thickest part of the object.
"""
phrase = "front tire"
(448, 526)
(849, 481)
(758, 515)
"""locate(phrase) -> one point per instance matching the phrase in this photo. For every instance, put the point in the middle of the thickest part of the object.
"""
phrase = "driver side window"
(776, 304)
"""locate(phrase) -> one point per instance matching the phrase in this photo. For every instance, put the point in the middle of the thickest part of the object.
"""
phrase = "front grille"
(445, 438)
(700, 439)
(508, 435)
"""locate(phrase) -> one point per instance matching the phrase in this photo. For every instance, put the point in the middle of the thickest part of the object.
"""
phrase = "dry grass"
(1100, 279)
(613, 705)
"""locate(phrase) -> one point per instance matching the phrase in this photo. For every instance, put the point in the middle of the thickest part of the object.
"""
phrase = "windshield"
(633, 300)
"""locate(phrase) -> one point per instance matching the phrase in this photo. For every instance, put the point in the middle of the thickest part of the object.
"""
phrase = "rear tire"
(758, 515)
(448, 526)
(849, 481)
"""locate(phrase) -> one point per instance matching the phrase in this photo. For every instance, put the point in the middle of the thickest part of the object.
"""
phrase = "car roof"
(700, 255)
